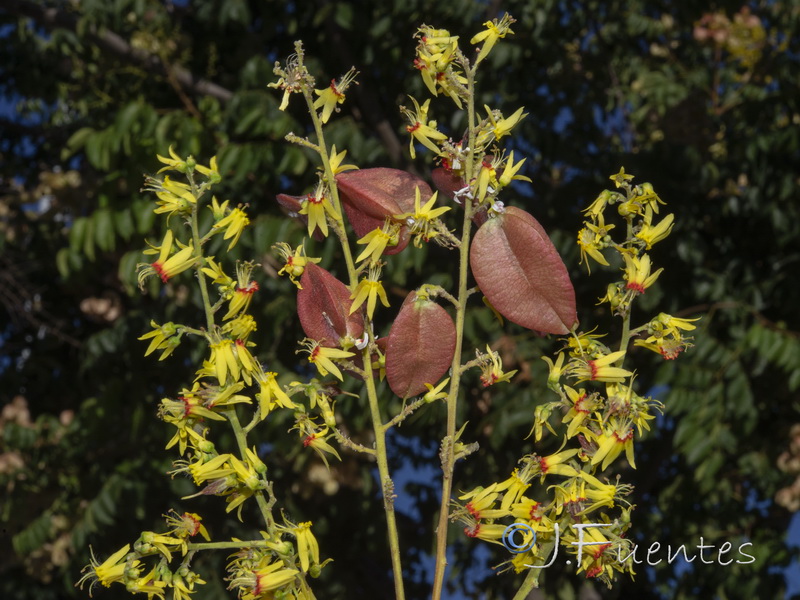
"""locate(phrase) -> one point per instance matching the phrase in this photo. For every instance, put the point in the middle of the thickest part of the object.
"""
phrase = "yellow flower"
(223, 358)
(185, 413)
(421, 129)
(240, 327)
(211, 171)
(620, 179)
(555, 464)
(335, 161)
(510, 171)
(246, 472)
(481, 501)
(377, 240)
(369, 290)
(166, 266)
(243, 292)
(162, 339)
(233, 224)
(637, 273)
(587, 343)
(333, 95)
(216, 397)
(214, 272)
(570, 495)
(294, 263)
(593, 238)
(492, 370)
(217, 209)
(316, 206)
(307, 546)
(205, 470)
(556, 371)
(487, 177)
(648, 196)
(421, 221)
(292, 78)
(534, 513)
(183, 584)
(622, 400)
(315, 439)
(603, 494)
(612, 442)
(271, 394)
(502, 126)
(323, 357)
(175, 162)
(514, 487)
(147, 584)
(272, 577)
(111, 570)
(488, 532)
(583, 405)
(435, 393)
(436, 51)
(673, 325)
(668, 347)
(650, 234)
(599, 369)
(173, 196)
(494, 31)
(249, 364)
(186, 525)
(597, 207)
(150, 541)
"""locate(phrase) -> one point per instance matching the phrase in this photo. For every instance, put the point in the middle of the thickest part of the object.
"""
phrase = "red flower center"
(250, 288)
(628, 435)
(159, 268)
(473, 531)
(593, 368)
(579, 404)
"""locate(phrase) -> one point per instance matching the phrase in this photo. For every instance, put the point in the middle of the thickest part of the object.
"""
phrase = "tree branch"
(52, 18)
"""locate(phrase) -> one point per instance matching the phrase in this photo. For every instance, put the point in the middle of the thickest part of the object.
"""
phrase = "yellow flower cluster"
(599, 406)
(221, 384)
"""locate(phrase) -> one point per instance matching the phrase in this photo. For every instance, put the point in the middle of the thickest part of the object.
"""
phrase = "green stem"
(407, 411)
(380, 434)
(448, 456)
(200, 259)
(330, 178)
(530, 583)
(348, 443)
(386, 481)
(191, 330)
(625, 336)
(228, 545)
(241, 442)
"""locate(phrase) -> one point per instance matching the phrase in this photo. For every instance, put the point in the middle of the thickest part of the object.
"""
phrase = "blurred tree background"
(700, 99)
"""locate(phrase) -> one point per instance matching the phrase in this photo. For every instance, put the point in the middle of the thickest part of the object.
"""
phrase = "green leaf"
(76, 141)
(104, 229)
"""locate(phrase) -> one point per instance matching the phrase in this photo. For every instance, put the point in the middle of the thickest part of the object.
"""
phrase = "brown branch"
(108, 41)
(21, 305)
